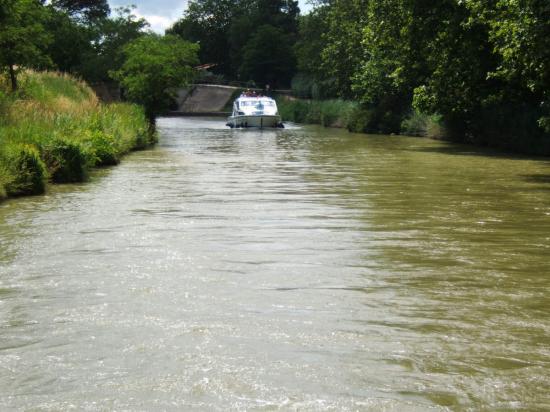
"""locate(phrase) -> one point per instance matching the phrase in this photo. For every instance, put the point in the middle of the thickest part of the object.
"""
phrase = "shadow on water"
(542, 178)
(460, 246)
(458, 149)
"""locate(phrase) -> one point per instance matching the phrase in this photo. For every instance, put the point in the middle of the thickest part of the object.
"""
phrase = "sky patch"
(161, 14)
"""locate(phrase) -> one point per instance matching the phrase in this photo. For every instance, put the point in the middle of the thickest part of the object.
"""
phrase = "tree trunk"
(13, 78)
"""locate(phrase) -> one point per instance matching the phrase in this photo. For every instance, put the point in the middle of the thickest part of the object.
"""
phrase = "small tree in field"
(154, 66)
(23, 37)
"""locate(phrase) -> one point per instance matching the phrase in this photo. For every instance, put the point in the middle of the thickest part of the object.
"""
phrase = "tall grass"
(329, 113)
(350, 115)
(54, 128)
(421, 124)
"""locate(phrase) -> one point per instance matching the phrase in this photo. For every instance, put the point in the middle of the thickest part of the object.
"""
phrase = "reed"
(329, 113)
(59, 119)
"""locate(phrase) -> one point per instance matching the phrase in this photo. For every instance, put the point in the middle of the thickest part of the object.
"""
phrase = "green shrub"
(435, 129)
(66, 161)
(415, 124)
(4, 100)
(104, 151)
(329, 113)
(145, 138)
(4, 177)
(359, 120)
(23, 171)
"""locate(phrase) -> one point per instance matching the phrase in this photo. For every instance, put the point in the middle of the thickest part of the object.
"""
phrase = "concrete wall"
(204, 98)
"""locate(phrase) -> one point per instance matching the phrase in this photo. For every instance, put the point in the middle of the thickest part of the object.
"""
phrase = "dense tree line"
(81, 37)
(481, 67)
(246, 39)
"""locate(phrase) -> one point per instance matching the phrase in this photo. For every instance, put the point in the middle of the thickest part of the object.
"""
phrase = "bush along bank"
(350, 115)
(54, 129)
(329, 113)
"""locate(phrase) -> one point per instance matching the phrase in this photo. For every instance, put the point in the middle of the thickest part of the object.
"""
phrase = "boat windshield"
(244, 103)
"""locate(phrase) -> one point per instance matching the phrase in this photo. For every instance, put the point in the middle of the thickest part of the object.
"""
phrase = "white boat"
(254, 111)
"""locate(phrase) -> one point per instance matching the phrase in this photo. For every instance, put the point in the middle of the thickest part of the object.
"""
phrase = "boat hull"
(260, 121)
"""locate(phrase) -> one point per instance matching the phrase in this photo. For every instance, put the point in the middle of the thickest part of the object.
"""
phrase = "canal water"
(299, 269)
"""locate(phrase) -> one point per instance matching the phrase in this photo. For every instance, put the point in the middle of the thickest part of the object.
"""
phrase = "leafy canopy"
(154, 66)
(229, 32)
(23, 38)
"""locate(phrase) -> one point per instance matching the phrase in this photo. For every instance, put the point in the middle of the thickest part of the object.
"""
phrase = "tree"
(396, 49)
(154, 66)
(110, 36)
(342, 54)
(92, 49)
(71, 41)
(23, 38)
(259, 20)
(223, 28)
(84, 10)
(267, 57)
(520, 33)
(208, 22)
(460, 58)
(311, 41)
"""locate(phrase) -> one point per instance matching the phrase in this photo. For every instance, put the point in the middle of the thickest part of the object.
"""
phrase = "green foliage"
(22, 170)
(84, 10)
(341, 56)
(65, 160)
(267, 57)
(45, 89)
(482, 67)
(416, 124)
(360, 120)
(311, 41)
(71, 42)
(329, 113)
(110, 36)
(154, 65)
(23, 38)
(90, 46)
(59, 119)
(208, 22)
(231, 33)
(4, 102)
(421, 124)
(302, 85)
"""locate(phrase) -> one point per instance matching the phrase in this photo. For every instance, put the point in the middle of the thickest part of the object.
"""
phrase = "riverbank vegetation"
(471, 71)
(53, 129)
(329, 113)
(52, 126)
(154, 66)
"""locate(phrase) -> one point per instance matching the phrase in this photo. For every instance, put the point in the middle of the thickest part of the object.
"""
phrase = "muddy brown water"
(298, 269)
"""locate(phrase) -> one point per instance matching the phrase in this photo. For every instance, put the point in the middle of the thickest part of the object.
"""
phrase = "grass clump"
(66, 161)
(55, 123)
(23, 171)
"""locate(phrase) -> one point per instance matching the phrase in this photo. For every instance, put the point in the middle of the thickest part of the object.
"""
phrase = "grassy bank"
(53, 129)
(349, 115)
